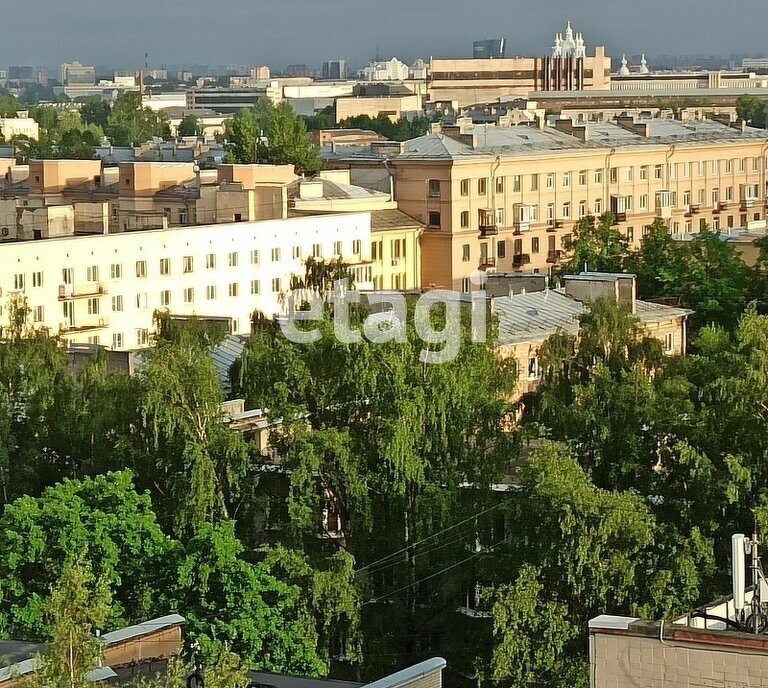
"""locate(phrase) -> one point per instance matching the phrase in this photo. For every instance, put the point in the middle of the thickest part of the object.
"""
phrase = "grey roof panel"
(141, 629)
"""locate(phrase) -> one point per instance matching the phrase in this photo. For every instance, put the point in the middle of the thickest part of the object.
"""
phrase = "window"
(142, 337)
(630, 234)
(550, 180)
(37, 314)
(500, 184)
(598, 206)
(117, 304)
(715, 197)
(377, 251)
(628, 174)
(658, 172)
(550, 212)
(728, 193)
(501, 249)
(433, 219)
(500, 216)
(715, 167)
(189, 295)
(482, 184)
(255, 257)
(613, 175)
(465, 285)
(93, 306)
(566, 179)
(598, 176)
(686, 198)
(141, 301)
(356, 247)
(464, 218)
(317, 250)
(296, 252)
(669, 342)
(672, 170)
(433, 186)
(701, 168)
(92, 273)
(465, 253)
(117, 340)
(533, 368)
(165, 266)
(188, 264)
(566, 210)
(18, 281)
(37, 279)
(686, 169)
(582, 208)
(337, 248)
(464, 187)
(275, 285)
(643, 201)
(210, 261)
(702, 196)
(210, 292)
(234, 289)
(755, 164)
(535, 245)
(728, 166)
(534, 182)
(643, 172)
(165, 297)
(141, 268)
(116, 271)
(67, 275)
(255, 287)
(276, 255)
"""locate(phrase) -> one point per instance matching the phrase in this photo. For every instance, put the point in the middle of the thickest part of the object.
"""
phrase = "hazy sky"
(279, 32)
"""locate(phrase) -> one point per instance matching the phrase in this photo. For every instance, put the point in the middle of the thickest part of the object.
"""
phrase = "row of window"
(615, 174)
(517, 247)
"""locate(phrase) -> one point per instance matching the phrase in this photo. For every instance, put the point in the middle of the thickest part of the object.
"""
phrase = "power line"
(433, 535)
(437, 573)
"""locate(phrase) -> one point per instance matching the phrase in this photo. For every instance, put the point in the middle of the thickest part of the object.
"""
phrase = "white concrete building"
(18, 126)
(104, 289)
(385, 70)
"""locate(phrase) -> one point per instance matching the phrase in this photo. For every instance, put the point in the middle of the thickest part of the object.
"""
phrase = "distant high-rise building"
(261, 73)
(490, 47)
(297, 70)
(335, 69)
(76, 74)
(16, 73)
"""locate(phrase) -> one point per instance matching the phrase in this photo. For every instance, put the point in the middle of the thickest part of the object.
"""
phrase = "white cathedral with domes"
(570, 44)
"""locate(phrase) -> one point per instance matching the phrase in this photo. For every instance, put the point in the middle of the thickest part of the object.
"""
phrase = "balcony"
(723, 205)
(619, 217)
(695, 210)
(87, 325)
(487, 262)
(68, 292)
(748, 202)
(488, 230)
(521, 259)
(553, 256)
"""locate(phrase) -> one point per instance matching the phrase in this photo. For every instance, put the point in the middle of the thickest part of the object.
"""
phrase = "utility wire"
(433, 535)
(437, 573)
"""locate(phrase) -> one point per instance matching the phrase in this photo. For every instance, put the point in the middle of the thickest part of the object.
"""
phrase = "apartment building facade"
(104, 289)
(506, 199)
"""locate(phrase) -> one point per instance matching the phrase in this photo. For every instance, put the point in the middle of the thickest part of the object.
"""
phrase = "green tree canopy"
(131, 123)
(272, 134)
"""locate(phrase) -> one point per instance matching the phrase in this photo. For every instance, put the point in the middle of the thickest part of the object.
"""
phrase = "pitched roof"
(392, 219)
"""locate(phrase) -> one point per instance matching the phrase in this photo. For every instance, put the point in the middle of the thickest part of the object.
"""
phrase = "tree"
(231, 603)
(78, 606)
(195, 463)
(226, 670)
(596, 245)
(95, 111)
(131, 123)
(403, 129)
(581, 550)
(271, 134)
(751, 109)
(189, 126)
(9, 106)
(103, 524)
(387, 429)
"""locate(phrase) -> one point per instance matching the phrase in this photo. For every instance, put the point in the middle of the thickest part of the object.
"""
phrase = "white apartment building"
(104, 289)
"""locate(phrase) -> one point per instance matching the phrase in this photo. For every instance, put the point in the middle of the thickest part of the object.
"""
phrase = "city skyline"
(86, 31)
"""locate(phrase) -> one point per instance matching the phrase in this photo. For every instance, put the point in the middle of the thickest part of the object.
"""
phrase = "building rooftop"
(391, 219)
(538, 315)
(490, 140)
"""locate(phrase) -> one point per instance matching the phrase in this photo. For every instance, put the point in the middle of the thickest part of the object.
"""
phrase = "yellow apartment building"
(527, 318)
(505, 198)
